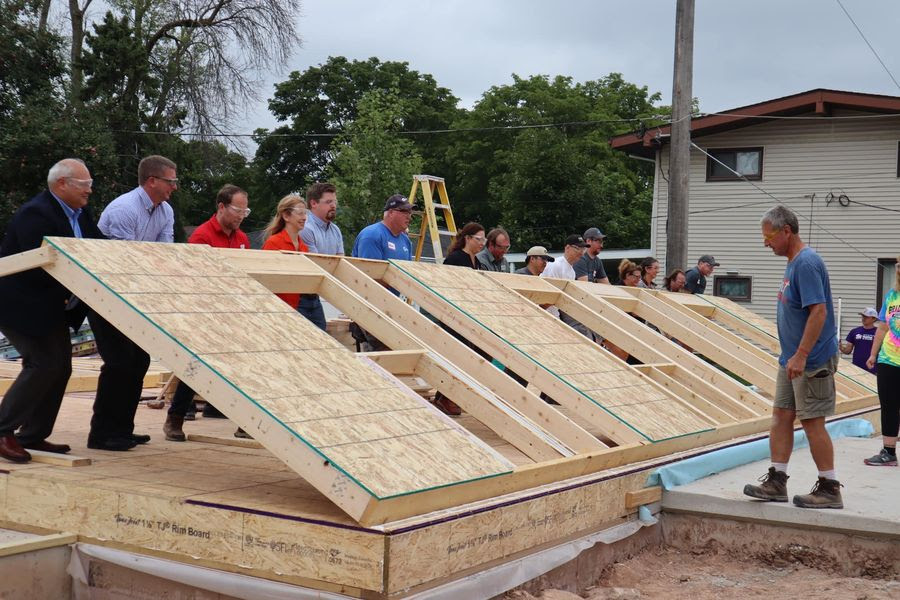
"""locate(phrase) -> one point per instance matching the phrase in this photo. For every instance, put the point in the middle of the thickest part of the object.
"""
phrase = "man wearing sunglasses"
(143, 214)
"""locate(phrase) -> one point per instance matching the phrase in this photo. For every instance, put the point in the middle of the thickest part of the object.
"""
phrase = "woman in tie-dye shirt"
(886, 349)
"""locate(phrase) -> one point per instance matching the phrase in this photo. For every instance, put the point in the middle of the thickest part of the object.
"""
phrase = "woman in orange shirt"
(283, 233)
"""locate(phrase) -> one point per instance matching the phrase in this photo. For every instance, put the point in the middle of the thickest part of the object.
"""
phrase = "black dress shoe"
(114, 444)
(10, 449)
(140, 438)
(45, 446)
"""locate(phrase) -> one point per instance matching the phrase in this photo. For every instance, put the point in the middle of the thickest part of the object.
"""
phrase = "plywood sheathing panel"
(274, 365)
(538, 337)
(852, 382)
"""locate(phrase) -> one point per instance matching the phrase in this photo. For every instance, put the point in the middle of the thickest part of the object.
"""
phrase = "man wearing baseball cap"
(589, 267)
(859, 340)
(695, 279)
(387, 238)
(536, 260)
(562, 268)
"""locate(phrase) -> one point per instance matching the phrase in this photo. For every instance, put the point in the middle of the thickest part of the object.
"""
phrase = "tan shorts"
(811, 395)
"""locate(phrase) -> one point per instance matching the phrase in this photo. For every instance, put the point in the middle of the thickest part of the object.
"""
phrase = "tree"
(322, 101)
(543, 183)
(371, 161)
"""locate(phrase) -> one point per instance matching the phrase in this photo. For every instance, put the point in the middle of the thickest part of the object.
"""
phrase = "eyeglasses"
(506, 247)
(770, 236)
(478, 238)
(85, 183)
(244, 212)
(635, 275)
(166, 179)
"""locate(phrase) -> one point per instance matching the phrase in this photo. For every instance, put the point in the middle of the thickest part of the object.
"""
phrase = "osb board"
(610, 385)
(848, 370)
(359, 418)
(342, 556)
(457, 545)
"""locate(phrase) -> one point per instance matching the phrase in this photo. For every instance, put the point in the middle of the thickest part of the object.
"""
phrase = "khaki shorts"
(811, 395)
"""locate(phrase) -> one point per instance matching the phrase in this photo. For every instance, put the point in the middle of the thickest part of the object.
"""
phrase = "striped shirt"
(133, 216)
(322, 237)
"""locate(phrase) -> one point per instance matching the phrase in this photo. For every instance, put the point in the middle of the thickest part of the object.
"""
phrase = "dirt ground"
(658, 573)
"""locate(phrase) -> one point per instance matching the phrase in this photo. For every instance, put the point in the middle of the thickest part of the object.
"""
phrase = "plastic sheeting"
(222, 582)
(697, 467)
(484, 584)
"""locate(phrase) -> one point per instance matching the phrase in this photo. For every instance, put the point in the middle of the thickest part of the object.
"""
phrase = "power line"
(863, 36)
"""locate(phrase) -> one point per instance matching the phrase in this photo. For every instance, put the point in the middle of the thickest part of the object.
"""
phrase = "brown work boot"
(826, 493)
(172, 428)
(773, 488)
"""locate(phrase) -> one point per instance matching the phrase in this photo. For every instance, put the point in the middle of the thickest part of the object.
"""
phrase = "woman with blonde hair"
(283, 233)
(886, 354)
(629, 273)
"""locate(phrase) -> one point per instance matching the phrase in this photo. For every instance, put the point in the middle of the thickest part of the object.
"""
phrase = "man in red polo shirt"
(223, 230)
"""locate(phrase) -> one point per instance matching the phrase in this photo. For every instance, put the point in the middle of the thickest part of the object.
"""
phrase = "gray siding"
(854, 157)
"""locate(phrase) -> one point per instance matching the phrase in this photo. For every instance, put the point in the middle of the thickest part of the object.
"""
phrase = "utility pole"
(680, 148)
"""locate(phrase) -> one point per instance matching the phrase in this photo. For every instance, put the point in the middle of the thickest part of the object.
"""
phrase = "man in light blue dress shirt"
(143, 214)
(321, 236)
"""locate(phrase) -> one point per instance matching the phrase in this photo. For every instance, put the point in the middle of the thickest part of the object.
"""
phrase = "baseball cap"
(869, 312)
(576, 240)
(539, 251)
(708, 259)
(593, 234)
(398, 202)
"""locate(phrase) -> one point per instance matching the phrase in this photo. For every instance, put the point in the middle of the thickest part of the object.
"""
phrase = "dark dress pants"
(120, 383)
(310, 306)
(181, 399)
(33, 400)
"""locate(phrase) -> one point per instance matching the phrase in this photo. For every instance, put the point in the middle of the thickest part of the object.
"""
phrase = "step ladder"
(428, 227)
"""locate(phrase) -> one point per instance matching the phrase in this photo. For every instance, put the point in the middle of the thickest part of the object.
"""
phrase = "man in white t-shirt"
(562, 268)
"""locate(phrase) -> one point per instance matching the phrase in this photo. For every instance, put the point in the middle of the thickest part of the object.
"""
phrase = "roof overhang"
(819, 102)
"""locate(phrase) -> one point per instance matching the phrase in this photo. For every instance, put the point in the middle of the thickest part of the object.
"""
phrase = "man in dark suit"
(36, 312)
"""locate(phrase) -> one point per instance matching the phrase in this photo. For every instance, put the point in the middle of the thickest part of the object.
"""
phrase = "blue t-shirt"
(377, 241)
(862, 339)
(805, 283)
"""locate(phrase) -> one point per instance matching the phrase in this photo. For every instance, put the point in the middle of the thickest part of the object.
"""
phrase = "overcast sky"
(744, 51)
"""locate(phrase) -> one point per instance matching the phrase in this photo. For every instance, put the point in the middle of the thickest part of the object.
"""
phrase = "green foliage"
(542, 184)
(326, 99)
(371, 162)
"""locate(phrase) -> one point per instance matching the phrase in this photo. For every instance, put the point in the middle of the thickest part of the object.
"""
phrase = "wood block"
(62, 460)
(647, 495)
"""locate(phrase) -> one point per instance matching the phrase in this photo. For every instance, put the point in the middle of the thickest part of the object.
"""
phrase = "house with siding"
(831, 156)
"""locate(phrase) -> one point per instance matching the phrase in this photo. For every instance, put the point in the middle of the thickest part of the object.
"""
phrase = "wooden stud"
(24, 261)
(648, 495)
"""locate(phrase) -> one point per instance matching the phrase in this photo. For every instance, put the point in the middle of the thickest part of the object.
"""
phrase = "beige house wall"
(857, 157)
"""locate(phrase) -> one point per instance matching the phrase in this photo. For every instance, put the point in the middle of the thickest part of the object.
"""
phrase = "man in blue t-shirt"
(384, 240)
(387, 239)
(804, 387)
(859, 340)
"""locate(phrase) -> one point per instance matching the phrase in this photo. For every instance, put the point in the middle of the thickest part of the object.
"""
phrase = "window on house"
(898, 159)
(885, 279)
(723, 161)
(734, 287)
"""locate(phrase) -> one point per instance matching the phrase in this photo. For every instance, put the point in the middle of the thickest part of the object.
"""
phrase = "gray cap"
(593, 234)
(708, 259)
(869, 312)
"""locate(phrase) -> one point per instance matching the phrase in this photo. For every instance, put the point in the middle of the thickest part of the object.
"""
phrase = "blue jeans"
(311, 307)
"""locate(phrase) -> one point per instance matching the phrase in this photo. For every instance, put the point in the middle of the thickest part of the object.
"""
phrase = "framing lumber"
(546, 352)
(350, 272)
(597, 313)
(133, 286)
(24, 261)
